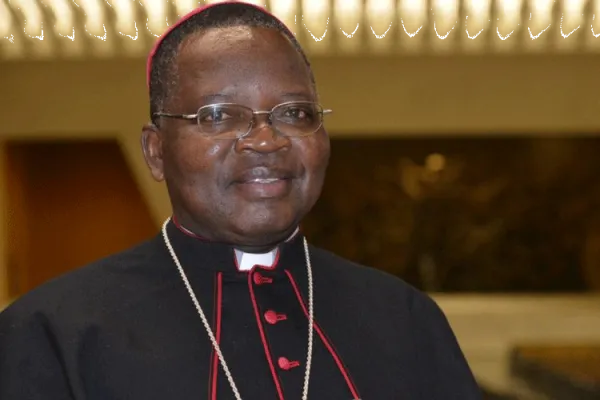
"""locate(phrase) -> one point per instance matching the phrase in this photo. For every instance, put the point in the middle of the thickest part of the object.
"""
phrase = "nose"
(262, 138)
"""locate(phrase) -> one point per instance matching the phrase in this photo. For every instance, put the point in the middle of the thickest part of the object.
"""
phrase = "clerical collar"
(243, 261)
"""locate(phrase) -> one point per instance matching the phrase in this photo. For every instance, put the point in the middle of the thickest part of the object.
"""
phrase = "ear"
(152, 147)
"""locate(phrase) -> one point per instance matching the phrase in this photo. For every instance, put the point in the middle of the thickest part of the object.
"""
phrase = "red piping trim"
(337, 359)
(264, 339)
(215, 358)
(187, 231)
(212, 351)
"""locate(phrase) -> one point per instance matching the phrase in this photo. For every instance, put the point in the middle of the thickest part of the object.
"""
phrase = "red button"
(260, 280)
(272, 317)
(286, 364)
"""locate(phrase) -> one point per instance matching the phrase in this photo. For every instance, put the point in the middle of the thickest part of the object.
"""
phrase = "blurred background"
(465, 159)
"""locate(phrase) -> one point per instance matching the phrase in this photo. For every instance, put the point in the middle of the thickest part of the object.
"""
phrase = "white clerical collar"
(247, 261)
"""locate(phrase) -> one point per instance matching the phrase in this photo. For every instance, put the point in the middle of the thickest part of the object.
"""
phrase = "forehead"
(241, 62)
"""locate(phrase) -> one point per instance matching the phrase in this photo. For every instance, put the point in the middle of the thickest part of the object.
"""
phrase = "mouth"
(263, 175)
(264, 183)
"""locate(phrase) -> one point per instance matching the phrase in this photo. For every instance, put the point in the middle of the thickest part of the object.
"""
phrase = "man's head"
(252, 189)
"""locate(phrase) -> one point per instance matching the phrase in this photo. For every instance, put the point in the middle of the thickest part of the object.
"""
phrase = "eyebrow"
(303, 95)
(214, 97)
(226, 98)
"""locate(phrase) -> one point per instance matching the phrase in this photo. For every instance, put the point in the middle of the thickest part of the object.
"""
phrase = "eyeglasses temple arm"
(181, 116)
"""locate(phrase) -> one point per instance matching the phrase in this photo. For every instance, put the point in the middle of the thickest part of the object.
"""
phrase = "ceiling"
(49, 29)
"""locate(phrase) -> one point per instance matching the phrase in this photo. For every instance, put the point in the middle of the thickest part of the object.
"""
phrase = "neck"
(256, 249)
(246, 248)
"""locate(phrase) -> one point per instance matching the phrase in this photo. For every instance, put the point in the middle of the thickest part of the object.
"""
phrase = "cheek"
(192, 163)
(316, 152)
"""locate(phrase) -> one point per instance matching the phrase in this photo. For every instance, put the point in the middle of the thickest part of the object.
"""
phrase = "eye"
(296, 112)
(214, 115)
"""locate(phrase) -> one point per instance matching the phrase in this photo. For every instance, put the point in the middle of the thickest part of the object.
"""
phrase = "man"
(229, 301)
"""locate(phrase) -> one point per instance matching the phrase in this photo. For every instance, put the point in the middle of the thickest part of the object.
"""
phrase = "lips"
(263, 175)
(260, 183)
(261, 180)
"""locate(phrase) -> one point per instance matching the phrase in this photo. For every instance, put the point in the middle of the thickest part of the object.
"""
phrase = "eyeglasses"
(234, 121)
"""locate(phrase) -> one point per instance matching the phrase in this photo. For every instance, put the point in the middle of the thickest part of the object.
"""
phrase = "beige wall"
(399, 95)
(385, 96)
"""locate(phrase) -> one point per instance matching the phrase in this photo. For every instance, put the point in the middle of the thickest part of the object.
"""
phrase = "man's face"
(212, 182)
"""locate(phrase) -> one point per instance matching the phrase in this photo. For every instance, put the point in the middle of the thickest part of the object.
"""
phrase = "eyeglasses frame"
(255, 113)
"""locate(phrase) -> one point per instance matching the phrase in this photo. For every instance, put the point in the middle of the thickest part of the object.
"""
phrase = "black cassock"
(125, 328)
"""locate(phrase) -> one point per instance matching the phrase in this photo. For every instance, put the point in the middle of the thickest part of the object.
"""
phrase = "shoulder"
(399, 320)
(80, 290)
(372, 286)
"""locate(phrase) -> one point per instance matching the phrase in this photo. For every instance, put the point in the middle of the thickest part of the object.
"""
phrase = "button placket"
(283, 354)
(272, 317)
(286, 364)
(259, 279)
(255, 278)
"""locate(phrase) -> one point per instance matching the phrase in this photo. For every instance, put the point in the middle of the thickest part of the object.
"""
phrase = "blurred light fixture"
(476, 24)
(11, 47)
(124, 13)
(509, 17)
(540, 18)
(6, 25)
(183, 7)
(129, 29)
(315, 18)
(156, 13)
(38, 28)
(592, 37)
(413, 21)
(63, 17)
(445, 20)
(348, 24)
(435, 162)
(285, 10)
(31, 16)
(569, 25)
(33, 26)
(380, 21)
(95, 26)
(94, 16)
(257, 2)
(63, 26)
